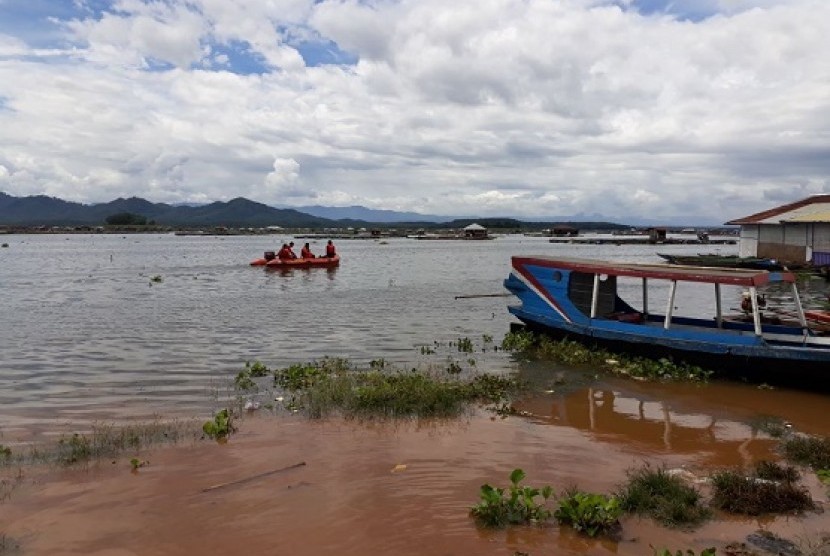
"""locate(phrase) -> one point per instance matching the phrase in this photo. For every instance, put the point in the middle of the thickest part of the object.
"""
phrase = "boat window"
(557, 276)
(581, 292)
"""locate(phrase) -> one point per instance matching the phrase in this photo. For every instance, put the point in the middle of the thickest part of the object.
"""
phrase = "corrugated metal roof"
(820, 216)
(816, 203)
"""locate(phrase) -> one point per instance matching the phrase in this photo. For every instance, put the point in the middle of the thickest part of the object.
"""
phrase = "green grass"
(664, 497)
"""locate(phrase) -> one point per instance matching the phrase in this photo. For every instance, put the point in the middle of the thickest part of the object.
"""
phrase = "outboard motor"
(270, 255)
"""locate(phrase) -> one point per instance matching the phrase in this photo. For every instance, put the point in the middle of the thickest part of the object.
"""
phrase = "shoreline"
(402, 487)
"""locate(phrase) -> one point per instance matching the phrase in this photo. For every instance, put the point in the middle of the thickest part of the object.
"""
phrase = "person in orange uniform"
(284, 253)
(330, 251)
(291, 253)
(305, 252)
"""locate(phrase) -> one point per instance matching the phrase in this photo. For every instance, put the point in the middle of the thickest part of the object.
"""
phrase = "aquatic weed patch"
(518, 504)
(244, 380)
(774, 426)
(589, 513)
(107, 440)
(808, 450)
(575, 353)
(771, 471)
(221, 426)
(688, 552)
(755, 494)
(664, 497)
(320, 390)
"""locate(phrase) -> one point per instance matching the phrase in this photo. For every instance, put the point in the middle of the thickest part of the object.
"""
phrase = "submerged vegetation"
(771, 489)
(811, 451)
(102, 441)
(574, 353)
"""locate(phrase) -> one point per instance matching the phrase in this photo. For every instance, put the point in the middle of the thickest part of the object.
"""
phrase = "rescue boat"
(262, 261)
(321, 262)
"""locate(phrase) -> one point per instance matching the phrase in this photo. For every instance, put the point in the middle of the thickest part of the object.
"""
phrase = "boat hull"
(811, 374)
(553, 303)
(318, 262)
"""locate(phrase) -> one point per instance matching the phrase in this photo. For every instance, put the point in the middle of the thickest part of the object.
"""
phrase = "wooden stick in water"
(483, 295)
(253, 478)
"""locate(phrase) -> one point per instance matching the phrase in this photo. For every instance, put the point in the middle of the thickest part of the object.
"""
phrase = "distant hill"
(41, 210)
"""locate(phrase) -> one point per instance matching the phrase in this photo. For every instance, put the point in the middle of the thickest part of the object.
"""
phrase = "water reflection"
(717, 424)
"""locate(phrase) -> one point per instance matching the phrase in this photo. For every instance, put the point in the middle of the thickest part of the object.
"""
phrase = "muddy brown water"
(89, 338)
(406, 487)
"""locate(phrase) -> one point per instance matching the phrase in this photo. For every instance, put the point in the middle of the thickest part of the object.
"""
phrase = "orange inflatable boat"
(322, 262)
(267, 256)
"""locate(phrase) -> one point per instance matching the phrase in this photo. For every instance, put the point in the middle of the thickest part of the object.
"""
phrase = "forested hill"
(41, 210)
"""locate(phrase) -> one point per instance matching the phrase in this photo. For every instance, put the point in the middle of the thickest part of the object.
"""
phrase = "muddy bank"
(402, 488)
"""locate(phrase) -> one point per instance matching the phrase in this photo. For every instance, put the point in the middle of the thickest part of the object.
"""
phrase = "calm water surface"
(86, 334)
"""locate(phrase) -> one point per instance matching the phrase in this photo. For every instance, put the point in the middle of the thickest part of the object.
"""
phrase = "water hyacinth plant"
(592, 514)
(220, 427)
(529, 345)
(512, 506)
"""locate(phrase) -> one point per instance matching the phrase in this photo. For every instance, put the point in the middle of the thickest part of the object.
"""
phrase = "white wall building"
(798, 232)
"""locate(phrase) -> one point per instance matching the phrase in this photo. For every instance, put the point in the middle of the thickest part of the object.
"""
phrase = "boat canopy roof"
(711, 275)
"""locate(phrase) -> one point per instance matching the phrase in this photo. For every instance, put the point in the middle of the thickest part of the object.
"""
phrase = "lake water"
(88, 335)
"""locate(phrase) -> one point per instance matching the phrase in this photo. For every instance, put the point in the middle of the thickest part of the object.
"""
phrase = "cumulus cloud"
(531, 109)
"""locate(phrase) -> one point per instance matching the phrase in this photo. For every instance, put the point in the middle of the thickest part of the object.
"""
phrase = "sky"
(672, 110)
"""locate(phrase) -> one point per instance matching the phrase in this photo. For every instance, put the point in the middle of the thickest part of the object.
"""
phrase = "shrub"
(516, 506)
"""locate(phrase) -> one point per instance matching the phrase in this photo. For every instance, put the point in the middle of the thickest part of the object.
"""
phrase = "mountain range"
(41, 210)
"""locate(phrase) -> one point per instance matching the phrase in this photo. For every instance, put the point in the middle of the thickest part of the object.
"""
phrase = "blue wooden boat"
(579, 298)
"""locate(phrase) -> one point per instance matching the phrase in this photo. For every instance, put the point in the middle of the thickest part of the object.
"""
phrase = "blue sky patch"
(692, 10)
(236, 57)
(321, 53)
